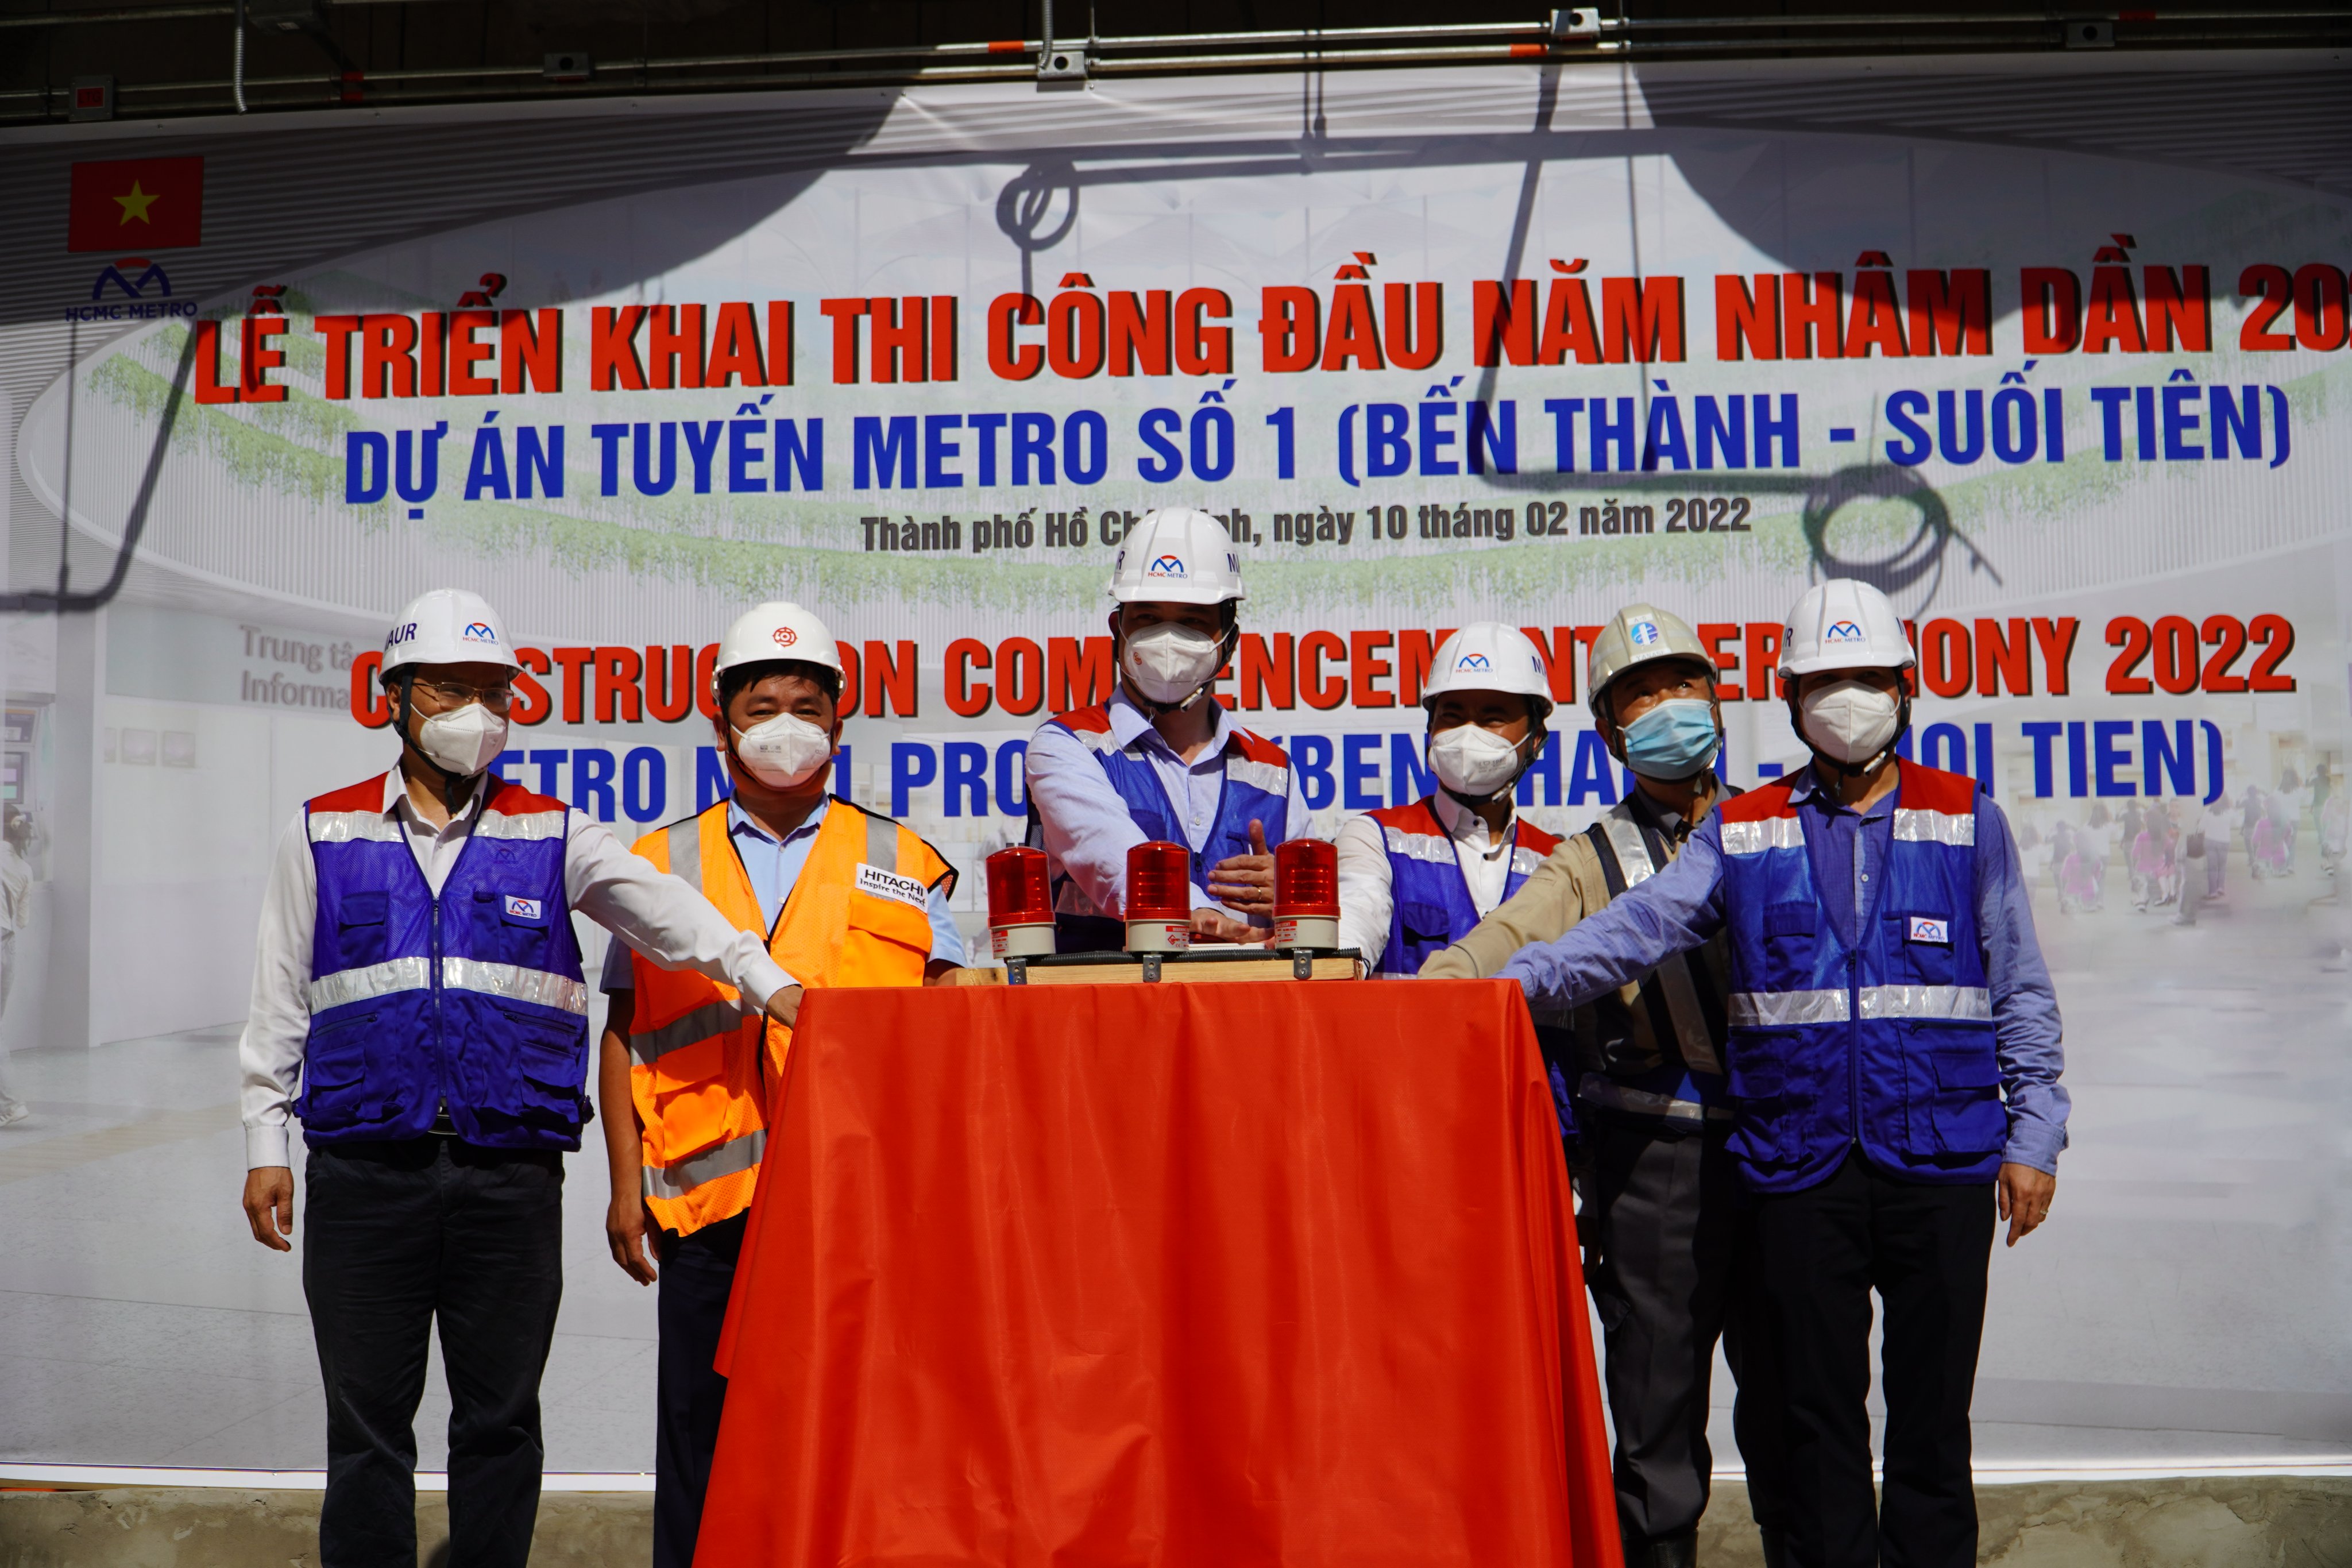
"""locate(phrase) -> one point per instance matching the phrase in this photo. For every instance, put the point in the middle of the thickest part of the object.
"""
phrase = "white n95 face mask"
(463, 741)
(1851, 719)
(782, 750)
(1169, 662)
(1473, 761)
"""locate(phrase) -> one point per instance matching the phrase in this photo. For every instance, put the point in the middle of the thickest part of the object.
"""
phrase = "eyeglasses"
(457, 694)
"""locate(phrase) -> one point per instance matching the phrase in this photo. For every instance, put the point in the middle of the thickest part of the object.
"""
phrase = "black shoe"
(1776, 1547)
(1666, 1552)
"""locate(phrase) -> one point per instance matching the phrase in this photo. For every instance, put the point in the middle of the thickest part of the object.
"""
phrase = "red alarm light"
(1020, 904)
(1159, 897)
(1307, 894)
(1307, 877)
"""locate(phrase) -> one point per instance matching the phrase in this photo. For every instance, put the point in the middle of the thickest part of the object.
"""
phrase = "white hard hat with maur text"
(448, 626)
(1487, 656)
(774, 630)
(1177, 555)
(1843, 625)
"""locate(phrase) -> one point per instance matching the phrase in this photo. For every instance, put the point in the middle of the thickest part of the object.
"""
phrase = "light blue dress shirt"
(774, 865)
(1682, 905)
(1088, 829)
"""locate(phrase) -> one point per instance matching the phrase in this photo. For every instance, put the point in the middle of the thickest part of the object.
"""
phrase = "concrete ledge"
(2192, 1521)
(221, 1527)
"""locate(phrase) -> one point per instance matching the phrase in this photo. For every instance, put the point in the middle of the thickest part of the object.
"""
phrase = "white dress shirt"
(652, 911)
(1365, 902)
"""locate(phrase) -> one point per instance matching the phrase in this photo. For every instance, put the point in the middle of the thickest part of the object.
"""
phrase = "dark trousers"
(1924, 1250)
(398, 1236)
(1664, 1227)
(698, 1272)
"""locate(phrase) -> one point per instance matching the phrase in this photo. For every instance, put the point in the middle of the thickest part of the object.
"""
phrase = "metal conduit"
(1607, 24)
(1559, 36)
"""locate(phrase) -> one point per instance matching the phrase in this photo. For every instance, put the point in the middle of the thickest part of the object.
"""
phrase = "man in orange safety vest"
(846, 896)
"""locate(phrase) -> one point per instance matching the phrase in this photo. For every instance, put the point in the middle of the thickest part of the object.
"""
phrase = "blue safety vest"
(471, 1002)
(1888, 1044)
(1256, 789)
(1429, 897)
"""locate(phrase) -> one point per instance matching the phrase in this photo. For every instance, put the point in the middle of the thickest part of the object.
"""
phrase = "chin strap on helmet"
(1846, 769)
(402, 709)
(1539, 735)
(1228, 641)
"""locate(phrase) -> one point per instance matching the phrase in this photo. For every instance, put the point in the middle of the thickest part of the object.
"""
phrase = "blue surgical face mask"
(1672, 740)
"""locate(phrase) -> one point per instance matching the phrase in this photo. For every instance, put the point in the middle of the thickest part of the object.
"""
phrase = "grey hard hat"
(1637, 635)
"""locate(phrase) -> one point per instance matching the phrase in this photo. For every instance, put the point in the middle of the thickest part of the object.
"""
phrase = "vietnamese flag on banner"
(137, 205)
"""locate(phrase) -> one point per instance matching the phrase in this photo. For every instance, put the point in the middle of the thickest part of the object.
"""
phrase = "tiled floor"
(2187, 1300)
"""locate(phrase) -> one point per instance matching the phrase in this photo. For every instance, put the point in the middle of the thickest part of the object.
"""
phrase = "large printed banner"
(2071, 434)
(2084, 417)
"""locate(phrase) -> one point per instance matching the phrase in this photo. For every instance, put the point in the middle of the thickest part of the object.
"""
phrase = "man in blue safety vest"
(419, 978)
(1413, 877)
(1163, 760)
(1892, 1062)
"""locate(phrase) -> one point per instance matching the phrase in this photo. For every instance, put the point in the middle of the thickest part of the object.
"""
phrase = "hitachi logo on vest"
(890, 885)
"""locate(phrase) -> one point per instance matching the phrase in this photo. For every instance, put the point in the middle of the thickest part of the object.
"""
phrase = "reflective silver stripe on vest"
(1614, 1096)
(1264, 776)
(706, 1022)
(1969, 1002)
(520, 825)
(695, 1169)
(1632, 851)
(1673, 975)
(686, 851)
(1772, 832)
(1100, 740)
(1769, 1009)
(1524, 861)
(375, 980)
(1419, 845)
(1935, 826)
(882, 844)
(516, 984)
(343, 827)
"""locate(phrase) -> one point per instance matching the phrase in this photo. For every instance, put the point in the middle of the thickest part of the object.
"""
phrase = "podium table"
(1281, 1273)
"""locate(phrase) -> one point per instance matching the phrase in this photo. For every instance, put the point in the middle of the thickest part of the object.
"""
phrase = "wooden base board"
(1172, 971)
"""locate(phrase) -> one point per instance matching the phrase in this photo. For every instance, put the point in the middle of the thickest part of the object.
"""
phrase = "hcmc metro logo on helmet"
(1166, 566)
(1472, 661)
(1844, 631)
(786, 637)
(479, 631)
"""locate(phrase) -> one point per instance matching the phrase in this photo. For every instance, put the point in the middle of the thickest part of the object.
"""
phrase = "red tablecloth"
(1218, 1275)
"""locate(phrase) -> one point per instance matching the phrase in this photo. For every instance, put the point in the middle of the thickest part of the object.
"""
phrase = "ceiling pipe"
(1307, 49)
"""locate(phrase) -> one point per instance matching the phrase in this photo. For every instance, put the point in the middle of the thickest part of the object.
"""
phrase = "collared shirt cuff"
(266, 1146)
(763, 980)
(1524, 979)
(2034, 1145)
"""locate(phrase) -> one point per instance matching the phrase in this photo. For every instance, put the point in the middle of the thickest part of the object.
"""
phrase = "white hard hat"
(1843, 625)
(1177, 555)
(448, 626)
(1487, 656)
(1637, 635)
(766, 633)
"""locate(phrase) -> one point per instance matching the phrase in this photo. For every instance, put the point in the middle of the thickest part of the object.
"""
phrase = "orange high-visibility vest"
(855, 917)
